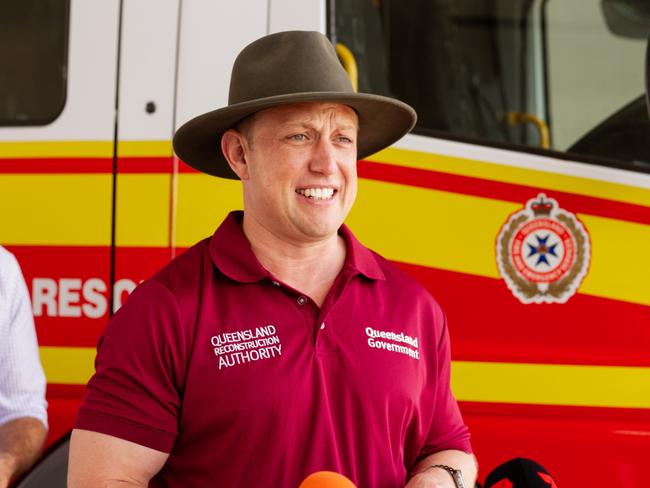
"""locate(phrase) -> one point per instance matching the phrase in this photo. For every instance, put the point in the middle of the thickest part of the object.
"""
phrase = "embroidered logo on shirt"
(246, 346)
(390, 341)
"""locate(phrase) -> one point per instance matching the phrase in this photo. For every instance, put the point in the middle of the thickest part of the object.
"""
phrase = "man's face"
(302, 178)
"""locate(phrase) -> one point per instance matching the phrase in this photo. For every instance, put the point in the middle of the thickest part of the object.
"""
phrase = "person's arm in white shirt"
(23, 414)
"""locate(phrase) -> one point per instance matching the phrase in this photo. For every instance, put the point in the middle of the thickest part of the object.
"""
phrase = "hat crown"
(287, 63)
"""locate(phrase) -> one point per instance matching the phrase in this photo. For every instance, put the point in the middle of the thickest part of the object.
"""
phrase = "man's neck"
(310, 267)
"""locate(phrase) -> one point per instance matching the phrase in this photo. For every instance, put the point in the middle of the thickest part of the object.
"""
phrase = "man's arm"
(21, 441)
(423, 477)
(103, 460)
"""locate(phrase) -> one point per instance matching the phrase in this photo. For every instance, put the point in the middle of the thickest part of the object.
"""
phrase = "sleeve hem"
(41, 416)
(463, 446)
(151, 437)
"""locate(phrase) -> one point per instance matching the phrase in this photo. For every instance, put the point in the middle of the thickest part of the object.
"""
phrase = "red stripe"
(63, 403)
(495, 327)
(487, 323)
(468, 185)
(65, 391)
(610, 414)
(611, 445)
(56, 165)
(52, 264)
(183, 167)
(146, 165)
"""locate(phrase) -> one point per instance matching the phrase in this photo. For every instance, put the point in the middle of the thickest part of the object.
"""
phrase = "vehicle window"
(553, 74)
(33, 57)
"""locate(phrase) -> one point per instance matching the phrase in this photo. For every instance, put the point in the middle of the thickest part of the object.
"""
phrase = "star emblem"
(542, 250)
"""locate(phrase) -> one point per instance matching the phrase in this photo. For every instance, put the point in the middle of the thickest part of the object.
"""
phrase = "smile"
(317, 193)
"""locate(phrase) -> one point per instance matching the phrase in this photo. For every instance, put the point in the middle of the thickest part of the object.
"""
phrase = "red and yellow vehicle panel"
(549, 381)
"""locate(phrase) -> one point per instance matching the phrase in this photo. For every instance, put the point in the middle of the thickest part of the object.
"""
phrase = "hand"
(6, 472)
(431, 478)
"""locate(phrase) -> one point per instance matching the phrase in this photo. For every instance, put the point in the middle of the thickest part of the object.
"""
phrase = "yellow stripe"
(620, 263)
(415, 225)
(549, 384)
(203, 202)
(75, 210)
(429, 227)
(144, 148)
(57, 149)
(143, 210)
(458, 232)
(84, 149)
(520, 176)
(55, 210)
(68, 365)
(544, 384)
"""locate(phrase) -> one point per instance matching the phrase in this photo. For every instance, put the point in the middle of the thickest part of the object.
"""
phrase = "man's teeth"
(317, 193)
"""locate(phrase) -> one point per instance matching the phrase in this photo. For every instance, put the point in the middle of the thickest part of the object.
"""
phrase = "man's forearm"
(21, 441)
(422, 476)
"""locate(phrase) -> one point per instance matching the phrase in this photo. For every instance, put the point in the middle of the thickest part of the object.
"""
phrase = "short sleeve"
(22, 381)
(140, 366)
(447, 429)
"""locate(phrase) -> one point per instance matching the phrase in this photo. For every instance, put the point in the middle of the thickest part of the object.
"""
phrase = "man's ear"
(235, 148)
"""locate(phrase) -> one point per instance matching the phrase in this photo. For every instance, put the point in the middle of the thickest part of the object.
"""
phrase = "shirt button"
(275, 283)
(302, 300)
(322, 326)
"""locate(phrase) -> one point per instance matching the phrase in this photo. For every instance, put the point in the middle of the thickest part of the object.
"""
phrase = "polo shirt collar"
(359, 258)
(232, 254)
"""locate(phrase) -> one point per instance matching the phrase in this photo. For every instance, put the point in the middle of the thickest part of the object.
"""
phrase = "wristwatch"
(456, 475)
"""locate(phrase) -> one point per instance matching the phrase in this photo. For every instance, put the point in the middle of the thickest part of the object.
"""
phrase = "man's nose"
(323, 158)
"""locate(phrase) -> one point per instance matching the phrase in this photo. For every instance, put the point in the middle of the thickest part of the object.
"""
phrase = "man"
(280, 346)
(23, 414)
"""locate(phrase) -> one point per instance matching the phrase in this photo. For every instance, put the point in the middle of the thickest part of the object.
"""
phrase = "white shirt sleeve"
(22, 381)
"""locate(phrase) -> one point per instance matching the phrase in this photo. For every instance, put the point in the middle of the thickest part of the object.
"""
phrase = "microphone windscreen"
(519, 473)
(326, 479)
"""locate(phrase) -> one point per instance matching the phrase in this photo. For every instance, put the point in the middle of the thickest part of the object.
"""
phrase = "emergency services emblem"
(543, 252)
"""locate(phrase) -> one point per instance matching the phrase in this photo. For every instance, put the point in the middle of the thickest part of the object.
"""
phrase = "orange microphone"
(326, 479)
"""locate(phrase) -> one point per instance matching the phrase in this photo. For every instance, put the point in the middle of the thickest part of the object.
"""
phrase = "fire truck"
(521, 200)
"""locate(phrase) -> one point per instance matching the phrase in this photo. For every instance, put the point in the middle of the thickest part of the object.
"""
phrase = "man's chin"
(319, 231)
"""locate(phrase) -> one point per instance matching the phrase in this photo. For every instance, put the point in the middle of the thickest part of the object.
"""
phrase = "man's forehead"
(303, 113)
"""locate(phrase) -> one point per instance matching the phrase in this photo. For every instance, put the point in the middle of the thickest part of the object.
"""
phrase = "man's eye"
(298, 137)
(344, 139)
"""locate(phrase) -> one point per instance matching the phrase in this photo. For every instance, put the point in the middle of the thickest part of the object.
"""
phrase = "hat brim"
(382, 121)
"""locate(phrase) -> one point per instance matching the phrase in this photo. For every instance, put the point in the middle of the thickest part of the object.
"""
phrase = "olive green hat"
(282, 68)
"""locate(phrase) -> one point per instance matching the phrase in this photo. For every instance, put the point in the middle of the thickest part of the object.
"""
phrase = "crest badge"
(543, 252)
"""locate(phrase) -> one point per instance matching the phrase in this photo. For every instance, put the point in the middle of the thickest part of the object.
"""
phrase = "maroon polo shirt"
(248, 383)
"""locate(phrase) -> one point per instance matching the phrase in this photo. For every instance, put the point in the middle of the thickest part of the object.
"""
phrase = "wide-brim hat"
(283, 68)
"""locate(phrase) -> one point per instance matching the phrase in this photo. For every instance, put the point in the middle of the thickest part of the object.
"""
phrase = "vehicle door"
(522, 202)
(57, 136)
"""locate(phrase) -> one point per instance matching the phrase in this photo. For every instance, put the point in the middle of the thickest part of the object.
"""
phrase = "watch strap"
(455, 474)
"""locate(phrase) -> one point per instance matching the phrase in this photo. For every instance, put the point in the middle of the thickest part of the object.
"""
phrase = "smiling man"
(280, 346)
